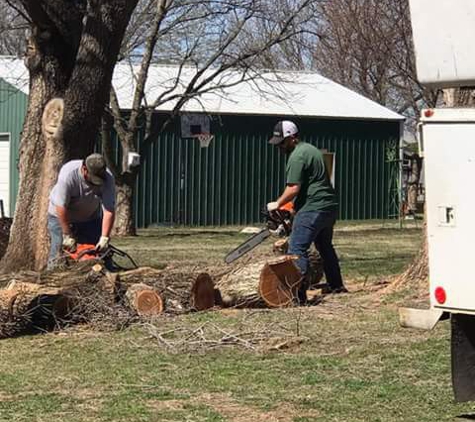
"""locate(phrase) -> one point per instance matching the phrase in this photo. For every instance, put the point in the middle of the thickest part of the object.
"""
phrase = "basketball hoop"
(205, 139)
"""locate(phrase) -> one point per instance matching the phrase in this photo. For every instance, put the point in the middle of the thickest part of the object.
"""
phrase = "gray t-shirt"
(81, 199)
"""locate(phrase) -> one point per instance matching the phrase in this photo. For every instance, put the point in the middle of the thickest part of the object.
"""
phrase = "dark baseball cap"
(282, 130)
(96, 169)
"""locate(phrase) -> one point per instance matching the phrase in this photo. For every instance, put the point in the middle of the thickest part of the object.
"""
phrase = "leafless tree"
(12, 30)
(207, 41)
(366, 45)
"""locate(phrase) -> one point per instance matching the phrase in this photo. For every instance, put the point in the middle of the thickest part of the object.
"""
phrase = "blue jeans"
(85, 232)
(316, 227)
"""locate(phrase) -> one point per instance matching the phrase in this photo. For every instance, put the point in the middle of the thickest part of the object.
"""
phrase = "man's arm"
(62, 214)
(289, 194)
(107, 222)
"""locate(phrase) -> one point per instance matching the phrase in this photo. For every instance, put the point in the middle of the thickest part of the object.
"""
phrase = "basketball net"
(205, 139)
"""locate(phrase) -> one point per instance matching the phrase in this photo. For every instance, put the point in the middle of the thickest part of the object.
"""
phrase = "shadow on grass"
(183, 234)
(378, 231)
(203, 232)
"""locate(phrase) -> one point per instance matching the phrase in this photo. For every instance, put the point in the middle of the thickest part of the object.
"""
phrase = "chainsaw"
(278, 223)
(85, 252)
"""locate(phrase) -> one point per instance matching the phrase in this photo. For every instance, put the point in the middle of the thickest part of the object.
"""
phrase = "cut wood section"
(271, 283)
(279, 282)
(180, 291)
(202, 293)
(315, 261)
(87, 292)
(240, 288)
(144, 300)
(42, 301)
(43, 306)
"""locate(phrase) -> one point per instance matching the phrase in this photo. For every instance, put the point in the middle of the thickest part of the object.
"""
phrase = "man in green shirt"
(315, 204)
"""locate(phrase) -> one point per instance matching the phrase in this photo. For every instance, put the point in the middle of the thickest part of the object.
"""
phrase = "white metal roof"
(280, 94)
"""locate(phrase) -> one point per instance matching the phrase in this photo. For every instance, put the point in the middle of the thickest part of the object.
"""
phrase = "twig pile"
(100, 312)
(209, 336)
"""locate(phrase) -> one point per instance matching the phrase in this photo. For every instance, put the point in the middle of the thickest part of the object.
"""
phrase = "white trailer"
(444, 31)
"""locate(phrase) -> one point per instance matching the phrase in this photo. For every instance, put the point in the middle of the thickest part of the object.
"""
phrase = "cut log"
(180, 291)
(267, 283)
(279, 282)
(42, 307)
(144, 300)
(202, 293)
(41, 301)
(315, 264)
(87, 292)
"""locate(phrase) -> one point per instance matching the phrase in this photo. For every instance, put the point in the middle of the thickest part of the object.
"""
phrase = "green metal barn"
(230, 180)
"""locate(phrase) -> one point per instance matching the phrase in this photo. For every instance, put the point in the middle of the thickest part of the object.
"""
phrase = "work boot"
(302, 292)
(334, 290)
(302, 297)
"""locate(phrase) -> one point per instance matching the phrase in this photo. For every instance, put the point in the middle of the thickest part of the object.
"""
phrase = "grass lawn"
(352, 363)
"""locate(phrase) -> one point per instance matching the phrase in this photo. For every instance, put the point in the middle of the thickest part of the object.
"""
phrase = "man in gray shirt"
(82, 206)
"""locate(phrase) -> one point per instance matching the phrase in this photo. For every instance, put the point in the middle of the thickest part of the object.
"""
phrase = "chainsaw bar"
(245, 247)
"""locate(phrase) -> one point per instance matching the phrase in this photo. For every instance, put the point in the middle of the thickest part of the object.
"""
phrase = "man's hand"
(272, 206)
(103, 244)
(69, 243)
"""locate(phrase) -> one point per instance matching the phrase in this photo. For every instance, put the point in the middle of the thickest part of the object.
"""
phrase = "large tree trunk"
(71, 55)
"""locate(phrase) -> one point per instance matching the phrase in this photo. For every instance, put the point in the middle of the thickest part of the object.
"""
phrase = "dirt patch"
(167, 405)
(232, 410)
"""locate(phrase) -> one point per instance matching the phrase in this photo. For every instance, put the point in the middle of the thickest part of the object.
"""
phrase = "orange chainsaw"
(85, 252)
(278, 223)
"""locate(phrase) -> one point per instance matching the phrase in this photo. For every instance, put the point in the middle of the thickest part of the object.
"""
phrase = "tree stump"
(271, 283)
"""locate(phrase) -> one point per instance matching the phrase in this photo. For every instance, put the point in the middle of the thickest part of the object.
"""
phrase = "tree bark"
(262, 284)
(180, 291)
(125, 220)
(71, 55)
(34, 300)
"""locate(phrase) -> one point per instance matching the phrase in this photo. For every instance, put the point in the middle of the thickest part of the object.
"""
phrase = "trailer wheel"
(463, 356)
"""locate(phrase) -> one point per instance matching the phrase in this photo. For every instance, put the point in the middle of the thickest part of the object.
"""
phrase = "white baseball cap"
(282, 130)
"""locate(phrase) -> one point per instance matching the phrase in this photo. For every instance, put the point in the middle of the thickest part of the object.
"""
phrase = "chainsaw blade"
(245, 247)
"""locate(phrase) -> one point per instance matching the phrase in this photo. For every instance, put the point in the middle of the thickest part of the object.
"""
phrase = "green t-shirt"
(306, 167)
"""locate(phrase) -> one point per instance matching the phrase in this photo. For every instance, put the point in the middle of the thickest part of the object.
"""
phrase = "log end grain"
(145, 300)
(148, 302)
(279, 282)
(203, 295)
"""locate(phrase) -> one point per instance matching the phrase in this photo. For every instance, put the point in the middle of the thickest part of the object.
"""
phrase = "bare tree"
(366, 45)
(70, 55)
(12, 30)
(214, 45)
